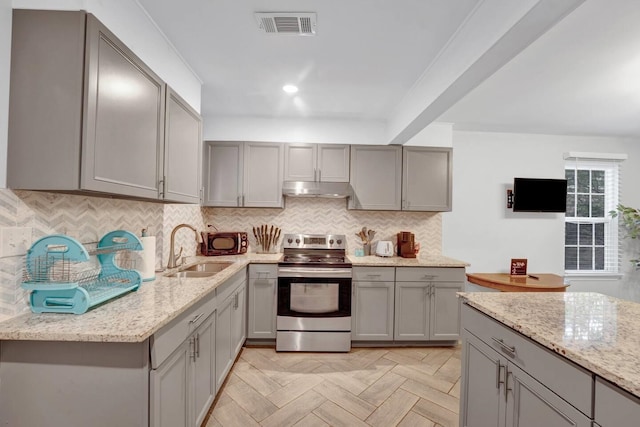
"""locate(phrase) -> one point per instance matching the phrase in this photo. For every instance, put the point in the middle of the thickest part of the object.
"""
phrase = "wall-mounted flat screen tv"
(539, 195)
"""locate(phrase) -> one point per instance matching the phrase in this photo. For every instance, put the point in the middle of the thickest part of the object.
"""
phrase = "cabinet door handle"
(195, 318)
(315, 174)
(509, 350)
(238, 200)
(161, 188)
(192, 348)
(197, 345)
(499, 379)
(243, 200)
(507, 389)
(319, 174)
(201, 195)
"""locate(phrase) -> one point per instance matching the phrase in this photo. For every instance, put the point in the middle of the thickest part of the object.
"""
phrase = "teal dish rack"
(64, 277)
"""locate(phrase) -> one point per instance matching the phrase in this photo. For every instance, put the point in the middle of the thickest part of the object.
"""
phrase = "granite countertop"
(427, 260)
(133, 317)
(136, 316)
(598, 332)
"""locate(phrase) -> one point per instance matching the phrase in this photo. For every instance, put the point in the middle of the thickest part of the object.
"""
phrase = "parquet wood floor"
(366, 387)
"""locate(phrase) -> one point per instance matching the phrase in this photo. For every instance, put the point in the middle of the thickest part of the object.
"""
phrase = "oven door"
(314, 292)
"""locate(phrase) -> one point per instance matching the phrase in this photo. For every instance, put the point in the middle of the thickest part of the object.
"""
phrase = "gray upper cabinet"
(245, 174)
(263, 167)
(123, 131)
(183, 144)
(426, 178)
(376, 177)
(316, 162)
(223, 173)
(91, 117)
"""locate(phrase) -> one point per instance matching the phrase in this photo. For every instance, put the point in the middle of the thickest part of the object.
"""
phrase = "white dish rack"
(64, 277)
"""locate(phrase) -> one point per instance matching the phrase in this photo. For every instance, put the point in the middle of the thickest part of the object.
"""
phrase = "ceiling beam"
(441, 86)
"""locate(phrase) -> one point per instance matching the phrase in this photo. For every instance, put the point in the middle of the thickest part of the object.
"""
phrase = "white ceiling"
(405, 62)
(582, 77)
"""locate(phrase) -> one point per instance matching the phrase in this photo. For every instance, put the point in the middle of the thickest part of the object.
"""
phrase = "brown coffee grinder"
(406, 244)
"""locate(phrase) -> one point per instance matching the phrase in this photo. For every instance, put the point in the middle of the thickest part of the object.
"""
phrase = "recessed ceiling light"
(290, 88)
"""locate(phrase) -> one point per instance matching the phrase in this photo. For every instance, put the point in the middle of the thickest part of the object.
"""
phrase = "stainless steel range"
(314, 294)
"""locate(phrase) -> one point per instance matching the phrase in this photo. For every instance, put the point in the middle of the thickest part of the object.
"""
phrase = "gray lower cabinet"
(615, 407)
(376, 177)
(92, 116)
(262, 288)
(426, 178)
(426, 306)
(243, 174)
(183, 387)
(372, 304)
(169, 390)
(204, 379)
(54, 383)
(230, 324)
(238, 321)
(507, 380)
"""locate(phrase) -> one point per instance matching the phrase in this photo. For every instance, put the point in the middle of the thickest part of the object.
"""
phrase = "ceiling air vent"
(297, 24)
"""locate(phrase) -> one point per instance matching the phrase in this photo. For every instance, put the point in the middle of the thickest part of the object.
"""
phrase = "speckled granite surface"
(598, 332)
(396, 261)
(133, 317)
(136, 316)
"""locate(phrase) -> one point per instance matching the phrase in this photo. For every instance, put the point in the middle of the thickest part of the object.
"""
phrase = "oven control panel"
(314, 241)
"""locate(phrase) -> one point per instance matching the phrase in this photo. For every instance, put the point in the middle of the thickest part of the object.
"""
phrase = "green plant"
(631, 222)
(630, 219)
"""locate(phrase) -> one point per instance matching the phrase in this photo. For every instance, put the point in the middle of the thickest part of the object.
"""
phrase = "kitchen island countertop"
(598, 332)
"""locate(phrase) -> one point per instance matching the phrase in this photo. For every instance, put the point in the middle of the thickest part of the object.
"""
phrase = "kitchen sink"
(203, 269)
(192, 274)
(209, 267)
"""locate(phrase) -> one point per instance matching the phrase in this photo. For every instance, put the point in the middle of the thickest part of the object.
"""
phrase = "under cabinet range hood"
(334, 190)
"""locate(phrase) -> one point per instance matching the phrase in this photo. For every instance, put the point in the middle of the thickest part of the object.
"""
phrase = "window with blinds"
(591, 234)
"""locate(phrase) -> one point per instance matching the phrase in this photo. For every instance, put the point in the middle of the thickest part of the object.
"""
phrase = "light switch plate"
(15, 241)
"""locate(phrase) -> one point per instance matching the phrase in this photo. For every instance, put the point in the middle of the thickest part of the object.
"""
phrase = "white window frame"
(609, 163)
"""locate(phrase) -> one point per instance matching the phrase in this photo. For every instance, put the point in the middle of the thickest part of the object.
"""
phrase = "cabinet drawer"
(614, 406)
(263, 271)
(373, 274)
(167, 339)
(430, 274)
(230, 285)
(571, 382)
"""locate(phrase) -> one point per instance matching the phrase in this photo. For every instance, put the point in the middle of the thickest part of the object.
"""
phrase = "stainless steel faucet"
(173, 258)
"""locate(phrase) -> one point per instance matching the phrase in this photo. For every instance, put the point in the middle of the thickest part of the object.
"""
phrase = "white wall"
(481, 231)
(293, 130)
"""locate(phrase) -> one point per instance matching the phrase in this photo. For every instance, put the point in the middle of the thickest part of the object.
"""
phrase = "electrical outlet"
(15, 241)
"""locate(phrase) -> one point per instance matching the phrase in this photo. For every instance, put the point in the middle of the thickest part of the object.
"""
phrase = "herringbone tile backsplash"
(311, 215)
(84, 218)
(89, 218)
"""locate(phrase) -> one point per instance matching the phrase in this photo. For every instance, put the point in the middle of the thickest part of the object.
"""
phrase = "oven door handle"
(329, 273)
